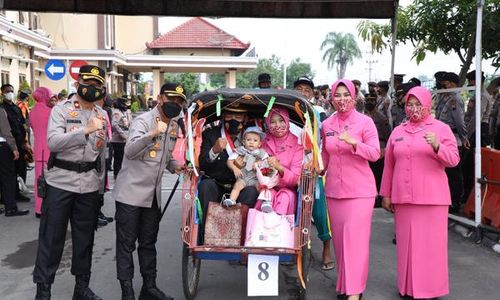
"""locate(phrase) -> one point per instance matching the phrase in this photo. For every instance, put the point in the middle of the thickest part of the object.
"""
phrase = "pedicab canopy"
(375, 9)
(209, 106)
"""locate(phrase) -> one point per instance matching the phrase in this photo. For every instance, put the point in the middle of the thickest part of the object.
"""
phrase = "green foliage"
(340, 50)
(446, 25)
(273, 66)
(134, 107)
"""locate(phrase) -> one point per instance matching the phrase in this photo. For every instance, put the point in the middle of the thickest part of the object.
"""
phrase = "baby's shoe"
(228, 202)
(266, 207)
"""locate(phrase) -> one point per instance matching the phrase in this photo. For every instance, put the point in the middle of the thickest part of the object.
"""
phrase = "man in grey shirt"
(76, 138)
(137, 192)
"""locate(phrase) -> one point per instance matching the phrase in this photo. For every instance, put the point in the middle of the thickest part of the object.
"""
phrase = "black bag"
(41, 190)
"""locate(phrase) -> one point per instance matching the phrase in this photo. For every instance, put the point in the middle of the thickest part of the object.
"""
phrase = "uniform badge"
(156, 146)
(152, 153)
(73, 114)
(76, 104)
(399, 139)
(98, 144)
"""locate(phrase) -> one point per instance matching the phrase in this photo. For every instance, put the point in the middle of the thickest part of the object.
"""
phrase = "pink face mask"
(417, 113)
(343, 104)
(278, 131)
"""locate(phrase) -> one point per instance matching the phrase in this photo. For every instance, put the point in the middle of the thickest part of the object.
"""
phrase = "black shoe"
(149, 290)
(16, 212)
(42, 291)
(341, 296)
(127, 290)
(82, 290)
(405, 296)
(2, 210)
(38, 216)
(107, 219)
(101, 222)
(21, 198)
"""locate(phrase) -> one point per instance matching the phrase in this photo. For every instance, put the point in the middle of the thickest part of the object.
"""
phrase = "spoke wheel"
(190, 273)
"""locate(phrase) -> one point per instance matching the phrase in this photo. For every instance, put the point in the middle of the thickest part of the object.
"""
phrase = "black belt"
(79, 167)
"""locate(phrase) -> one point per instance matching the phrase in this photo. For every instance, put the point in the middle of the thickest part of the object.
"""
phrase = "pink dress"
(291, 156)
(415, 180)
(350, 190)
(39, 117)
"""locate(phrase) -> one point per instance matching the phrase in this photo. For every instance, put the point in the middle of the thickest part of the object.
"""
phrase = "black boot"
(42, 291)
(149, 290)
(82, 290)
(16, 212)
(127, 290)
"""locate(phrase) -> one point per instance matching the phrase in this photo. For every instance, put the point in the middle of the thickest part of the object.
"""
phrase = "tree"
(273, 66)
(295, 69)
(446, 25)
(340, 49)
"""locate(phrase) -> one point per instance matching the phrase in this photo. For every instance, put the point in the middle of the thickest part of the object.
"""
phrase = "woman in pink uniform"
(286, 156)
(39, 117)
(350, 141)
(415, 187)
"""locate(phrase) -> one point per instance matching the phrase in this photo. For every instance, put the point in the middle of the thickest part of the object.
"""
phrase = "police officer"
(264, 81)
(121, 120)
(137, 191)
(76, 138)
(383, 130)
(451, 112)
(398, 109)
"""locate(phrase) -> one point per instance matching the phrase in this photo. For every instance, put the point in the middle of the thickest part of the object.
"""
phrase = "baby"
(251, 152)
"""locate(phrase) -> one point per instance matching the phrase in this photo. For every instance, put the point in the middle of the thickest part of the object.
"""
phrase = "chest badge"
(152, 153)
(73, 114)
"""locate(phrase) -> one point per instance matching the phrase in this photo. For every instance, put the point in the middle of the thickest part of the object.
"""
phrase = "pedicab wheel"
(190, 273)
(306, 264)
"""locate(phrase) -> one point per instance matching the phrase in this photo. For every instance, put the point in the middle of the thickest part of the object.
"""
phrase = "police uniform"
(73, 179)
(120, 123)
(384, 131)
(137, 191)
(451, 113)
(7, 167)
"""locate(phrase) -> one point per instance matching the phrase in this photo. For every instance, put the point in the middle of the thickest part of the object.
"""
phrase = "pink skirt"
(350, 221)
(422, 250)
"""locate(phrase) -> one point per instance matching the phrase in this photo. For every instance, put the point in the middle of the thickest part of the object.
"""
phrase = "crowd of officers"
(79, 132)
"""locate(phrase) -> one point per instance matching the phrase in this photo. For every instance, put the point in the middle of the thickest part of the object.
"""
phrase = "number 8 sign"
(263, 275)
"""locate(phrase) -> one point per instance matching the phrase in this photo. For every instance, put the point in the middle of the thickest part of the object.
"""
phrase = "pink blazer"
(39, 117)
(348, 172)
(291, 156)
(413, 172)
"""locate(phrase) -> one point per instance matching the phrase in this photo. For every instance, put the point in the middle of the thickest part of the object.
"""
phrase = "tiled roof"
(197, 33)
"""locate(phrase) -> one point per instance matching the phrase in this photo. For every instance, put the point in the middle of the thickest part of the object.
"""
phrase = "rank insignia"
(73, 114)
(152, 153)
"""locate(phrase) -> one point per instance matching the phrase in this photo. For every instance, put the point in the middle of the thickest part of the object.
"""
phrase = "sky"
(292, 38)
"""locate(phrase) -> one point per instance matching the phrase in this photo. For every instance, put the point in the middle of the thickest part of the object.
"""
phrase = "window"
(5, 77)
(109, 32)
(23, 17)
(22, 78)
(35, 21)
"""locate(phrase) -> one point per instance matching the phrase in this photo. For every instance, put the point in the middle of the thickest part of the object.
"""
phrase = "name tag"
(399, 139)
(331, 133)
(73, 121)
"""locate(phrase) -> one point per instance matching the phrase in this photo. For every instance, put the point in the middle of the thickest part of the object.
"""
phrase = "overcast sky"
(291, 38)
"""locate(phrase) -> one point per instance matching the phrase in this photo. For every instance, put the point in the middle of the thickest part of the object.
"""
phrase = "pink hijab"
(344, 108)
(423, 96)
(283, 112)
(42, 95)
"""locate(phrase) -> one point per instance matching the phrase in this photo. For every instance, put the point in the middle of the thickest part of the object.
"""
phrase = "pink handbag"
(269, 230)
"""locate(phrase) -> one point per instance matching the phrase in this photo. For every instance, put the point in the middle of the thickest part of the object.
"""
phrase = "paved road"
(474, 269)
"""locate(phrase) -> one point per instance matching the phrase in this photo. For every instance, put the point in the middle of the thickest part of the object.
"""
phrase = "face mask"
(417, 113)
(369, 106)
(171, 109)
(233, 126)
(278, 131)
(9, 96)
(344, 104)
(90, 93)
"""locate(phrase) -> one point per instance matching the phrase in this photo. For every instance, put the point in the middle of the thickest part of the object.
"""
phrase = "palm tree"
(340, 49)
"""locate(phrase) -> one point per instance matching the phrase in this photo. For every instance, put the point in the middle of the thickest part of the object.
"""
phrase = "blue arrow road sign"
(55, 69)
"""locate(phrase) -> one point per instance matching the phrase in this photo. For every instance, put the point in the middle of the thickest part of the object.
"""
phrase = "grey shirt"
(470, 115)
(120, 124)
(66, 138)
(452, 114)
(5, 130)
(144, 161)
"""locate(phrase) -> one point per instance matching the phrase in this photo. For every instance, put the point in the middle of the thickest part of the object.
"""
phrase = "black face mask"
(369, 106)
(171, 109)
(233, 126)
(91, 93)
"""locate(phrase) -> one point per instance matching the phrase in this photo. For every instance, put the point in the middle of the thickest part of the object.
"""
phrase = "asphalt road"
(474, 269)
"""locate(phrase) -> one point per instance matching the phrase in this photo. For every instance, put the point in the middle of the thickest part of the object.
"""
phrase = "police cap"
(451, 77)
(304, 80)
(173, 90)
(92, 72)
(264, 77)
(472, 75)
